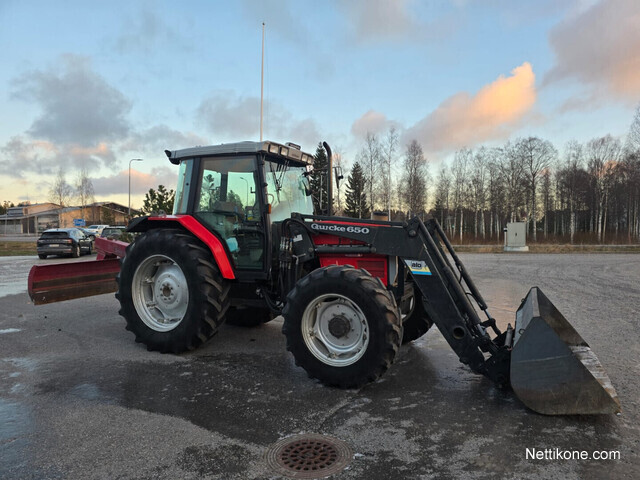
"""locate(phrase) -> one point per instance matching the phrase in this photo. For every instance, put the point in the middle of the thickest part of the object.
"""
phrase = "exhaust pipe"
(329, 179)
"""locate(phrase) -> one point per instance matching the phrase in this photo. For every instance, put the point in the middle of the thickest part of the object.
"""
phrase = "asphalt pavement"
(79, 399)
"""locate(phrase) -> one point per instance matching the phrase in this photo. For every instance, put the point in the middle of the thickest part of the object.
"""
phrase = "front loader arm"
(550, 367)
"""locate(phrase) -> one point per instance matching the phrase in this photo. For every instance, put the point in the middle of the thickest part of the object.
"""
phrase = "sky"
(92, 85)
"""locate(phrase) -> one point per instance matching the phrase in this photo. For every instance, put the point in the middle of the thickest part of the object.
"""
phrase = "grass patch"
(14, 249)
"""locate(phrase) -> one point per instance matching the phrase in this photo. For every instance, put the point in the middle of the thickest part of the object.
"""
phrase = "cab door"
(228, 202)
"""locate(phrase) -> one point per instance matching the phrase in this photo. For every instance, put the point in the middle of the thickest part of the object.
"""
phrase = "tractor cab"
(238, 190)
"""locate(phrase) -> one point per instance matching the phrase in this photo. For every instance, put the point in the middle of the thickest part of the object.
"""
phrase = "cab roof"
(288, 151)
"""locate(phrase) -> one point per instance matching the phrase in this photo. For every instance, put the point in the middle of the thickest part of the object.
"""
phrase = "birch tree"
(536, 155)
(84, 189)
(60, 191)
(414, 180)
(370, 161)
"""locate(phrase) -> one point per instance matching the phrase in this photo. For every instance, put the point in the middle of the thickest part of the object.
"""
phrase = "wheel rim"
(412, 306)
(335, 330)
(160, 293)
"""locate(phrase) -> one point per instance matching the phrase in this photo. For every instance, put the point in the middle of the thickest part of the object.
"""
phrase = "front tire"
(171, 292)
(342, 326)
(417, 321)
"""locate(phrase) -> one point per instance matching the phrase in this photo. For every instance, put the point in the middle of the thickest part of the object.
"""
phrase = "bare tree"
(512, 170)
(633, 138)
(495, 191)
(414, 180)
(443, 197)
(536, 155)
(546, 198)
(369, 157)
(84, 189)
(460, 170)
(60, 192)
(570, 176)
(478, 188)
(388, 154)
(603, 154)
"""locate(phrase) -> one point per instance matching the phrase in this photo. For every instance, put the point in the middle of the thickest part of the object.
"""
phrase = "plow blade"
(65, 281)
(553, 370)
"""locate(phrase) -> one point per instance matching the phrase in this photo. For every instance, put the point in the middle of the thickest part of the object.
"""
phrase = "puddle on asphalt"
(12, 288)
(14, 273)
(10, 330)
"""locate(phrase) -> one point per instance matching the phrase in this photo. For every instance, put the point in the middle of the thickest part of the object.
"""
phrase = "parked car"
(112, 233)
(96, 229)
(88, 233)
(63, 241)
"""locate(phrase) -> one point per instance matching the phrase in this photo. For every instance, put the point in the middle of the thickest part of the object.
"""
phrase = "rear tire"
(42, 256)
(417, 322)
(171, 292)
(75, 252)
(248, 317)
(342, 326)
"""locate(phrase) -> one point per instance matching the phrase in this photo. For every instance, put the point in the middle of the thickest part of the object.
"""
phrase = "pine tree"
(318, 180)
(356, 199)
(158, 200)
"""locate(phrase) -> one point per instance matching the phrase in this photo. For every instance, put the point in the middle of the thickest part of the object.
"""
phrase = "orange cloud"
(99, 150)
(141, 182)
(371, 122)
(465, 120)
(45, 146)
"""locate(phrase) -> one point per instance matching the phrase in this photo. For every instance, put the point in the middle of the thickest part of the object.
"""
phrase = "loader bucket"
(553, 370)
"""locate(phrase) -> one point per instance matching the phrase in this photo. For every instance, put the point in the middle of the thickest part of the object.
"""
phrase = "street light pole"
(132, 160)
(247, 182)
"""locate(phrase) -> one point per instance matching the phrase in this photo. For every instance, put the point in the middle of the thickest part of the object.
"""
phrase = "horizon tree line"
(588, 192)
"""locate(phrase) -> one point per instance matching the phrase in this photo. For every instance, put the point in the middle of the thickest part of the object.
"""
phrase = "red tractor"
(243, 245)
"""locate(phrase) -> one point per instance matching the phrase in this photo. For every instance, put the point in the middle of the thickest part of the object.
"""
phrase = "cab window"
(228, 202)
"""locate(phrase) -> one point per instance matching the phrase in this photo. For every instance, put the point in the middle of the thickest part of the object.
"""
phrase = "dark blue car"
(63, 241)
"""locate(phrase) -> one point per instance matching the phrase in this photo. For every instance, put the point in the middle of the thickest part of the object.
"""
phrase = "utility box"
(516, 237)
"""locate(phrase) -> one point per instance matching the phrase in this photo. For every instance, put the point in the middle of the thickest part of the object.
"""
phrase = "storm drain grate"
(309, 456)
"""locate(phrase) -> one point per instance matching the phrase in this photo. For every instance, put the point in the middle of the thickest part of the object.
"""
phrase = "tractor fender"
(193, 226)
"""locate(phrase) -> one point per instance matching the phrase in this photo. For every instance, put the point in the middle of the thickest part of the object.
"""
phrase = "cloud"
(395, 21)
(371, 122)
(465, 120)
(229, 116)
(600, 47)
(281, 19)
(84, 123)
(380, 19)
(77, 105)
(145, 32)
(141, 182)
(158, 138)
(22, 155)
